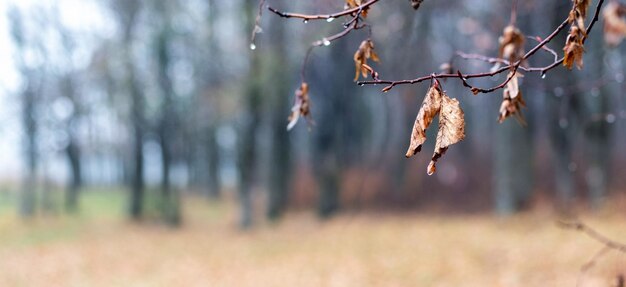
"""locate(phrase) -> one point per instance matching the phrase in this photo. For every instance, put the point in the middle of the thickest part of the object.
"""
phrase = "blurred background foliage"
(166, 97)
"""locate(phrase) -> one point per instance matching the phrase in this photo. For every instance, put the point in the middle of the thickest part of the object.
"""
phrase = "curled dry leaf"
(416, 3)
(614, 23)
(301, 106)
(574, 48)
(579, 13)
(451, 124)
(365, 52)
(356, 3)
(430, 108)
(451, 129)
(512, 101)
(511, 44)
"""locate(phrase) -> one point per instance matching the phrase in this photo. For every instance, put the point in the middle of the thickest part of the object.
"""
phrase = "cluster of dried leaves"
(451, 124)
(574, 47)
(512, 49)
(513, 101)
(614, 23)
(365, 52)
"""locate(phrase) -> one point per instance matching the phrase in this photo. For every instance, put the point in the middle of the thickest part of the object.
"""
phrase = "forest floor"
(100, 248)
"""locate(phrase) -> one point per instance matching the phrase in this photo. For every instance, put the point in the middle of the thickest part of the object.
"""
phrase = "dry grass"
(362, 250)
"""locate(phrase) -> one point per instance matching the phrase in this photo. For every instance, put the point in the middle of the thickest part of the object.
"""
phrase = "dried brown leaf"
(511, 44)
(301, 106)
(356, 3)
(574, 48)
(512, 101)
(451, 129)
(429, 109)
(365, 52)
(614, 23)
(579, 13)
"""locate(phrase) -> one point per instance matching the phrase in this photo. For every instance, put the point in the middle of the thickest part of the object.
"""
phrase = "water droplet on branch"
(252, 47)
(305, 21)
(326, 42)
(330, 19)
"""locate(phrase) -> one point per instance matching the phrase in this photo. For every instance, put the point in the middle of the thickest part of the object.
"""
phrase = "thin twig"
(352, 11)
(591, 263)
(257, 27)
(607, 243)
(579, 226)
(546, 48)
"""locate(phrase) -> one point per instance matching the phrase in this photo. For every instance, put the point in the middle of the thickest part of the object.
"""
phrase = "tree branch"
(579, 226)
(511, 66)
(323, 16)
(607, 243)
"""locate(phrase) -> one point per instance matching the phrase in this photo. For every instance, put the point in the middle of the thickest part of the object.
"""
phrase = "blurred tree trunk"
(28, 195)
(597, 131)
(72, 151)
(137, 106)
(280, 163)
(29, 101)
(213, 160)
(73, 157)
(247, 157)
(513, 168)
(247, 145)
(325, 157)
(333, 79)
(563, 114)
(127, 11)
(167, 125)
(563, 129)
(513, 161)
(212, 146)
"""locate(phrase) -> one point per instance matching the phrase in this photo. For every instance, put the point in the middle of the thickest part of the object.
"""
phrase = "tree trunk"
(213, 164)
(513, 168)
(248, 134)
(597, 133)
(73, 157)
(167, 126)
(280, 164)
(28, 195)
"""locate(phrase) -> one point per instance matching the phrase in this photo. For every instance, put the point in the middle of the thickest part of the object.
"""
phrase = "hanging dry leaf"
(579, 13)
(582, 6)
(511, 44)
(416, 3)
(451, 124)
(301, 106)
(574, 48)
(614, 23)
(356, 3)
(365, 52)
(430, 108)
(451, 129)
(512, 101)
